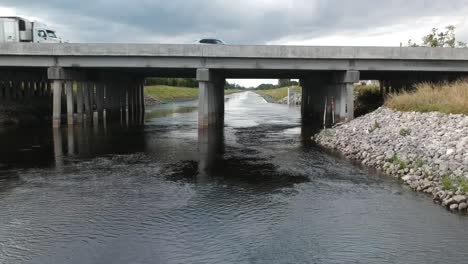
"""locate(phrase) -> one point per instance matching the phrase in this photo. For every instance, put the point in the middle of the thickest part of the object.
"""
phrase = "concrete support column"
(32, 89)
(40, 88)
(112, 100)
(26, 89)
(69, 93)
(100, 101)
(314, 94)
(58, 76)
(57, 103)
(7, 89)
(137, 98)
(17, 89)
(142, 94)
(123, 102)
(211, 99)
(79, 102)
(87, 101)
(327, 93)
(48, 88)
(130, 104)
(343, 83)
(136, 101)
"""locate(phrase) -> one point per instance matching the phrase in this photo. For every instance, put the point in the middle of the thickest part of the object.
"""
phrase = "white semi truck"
(17, 29)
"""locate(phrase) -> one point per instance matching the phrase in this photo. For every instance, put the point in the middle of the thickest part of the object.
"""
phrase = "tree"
(284, 82)
(445, 39)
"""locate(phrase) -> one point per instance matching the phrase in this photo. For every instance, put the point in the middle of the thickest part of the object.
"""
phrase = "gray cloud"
(240, 21)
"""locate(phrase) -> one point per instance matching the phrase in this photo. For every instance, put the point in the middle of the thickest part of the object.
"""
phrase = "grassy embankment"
(279, 93)
(445, 98)
(171, 93)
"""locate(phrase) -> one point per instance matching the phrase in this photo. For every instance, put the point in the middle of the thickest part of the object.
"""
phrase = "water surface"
(255, 192)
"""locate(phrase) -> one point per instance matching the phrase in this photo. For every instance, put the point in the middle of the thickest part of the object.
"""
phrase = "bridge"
(111, 76)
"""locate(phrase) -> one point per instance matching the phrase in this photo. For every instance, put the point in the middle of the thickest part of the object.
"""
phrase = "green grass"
(279, 93)
(463, 182)
(448, 183)
(455, 183)
(427, 97)
(398, 161)
(168, 93)
(405, 132)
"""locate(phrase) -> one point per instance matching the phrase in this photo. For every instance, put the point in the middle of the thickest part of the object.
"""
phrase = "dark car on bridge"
(210, 41)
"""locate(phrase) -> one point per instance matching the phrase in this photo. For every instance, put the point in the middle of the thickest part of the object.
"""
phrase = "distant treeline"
(281, 83)
(184, 82)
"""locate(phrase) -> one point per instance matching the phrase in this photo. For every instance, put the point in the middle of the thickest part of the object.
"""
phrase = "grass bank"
(446, 98)
(279, 93)
(171, 93)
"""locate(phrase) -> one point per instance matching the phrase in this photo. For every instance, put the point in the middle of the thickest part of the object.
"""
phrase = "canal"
(257, 191)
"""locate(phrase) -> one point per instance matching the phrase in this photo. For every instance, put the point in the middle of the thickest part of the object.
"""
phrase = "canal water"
(257, 191)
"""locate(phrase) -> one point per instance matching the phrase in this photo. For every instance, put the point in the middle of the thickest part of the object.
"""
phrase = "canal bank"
(427, 151)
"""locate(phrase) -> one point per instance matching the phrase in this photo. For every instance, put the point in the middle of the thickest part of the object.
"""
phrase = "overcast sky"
(292, 22)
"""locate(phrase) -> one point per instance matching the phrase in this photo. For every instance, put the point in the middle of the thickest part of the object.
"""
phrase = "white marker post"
(289, 96)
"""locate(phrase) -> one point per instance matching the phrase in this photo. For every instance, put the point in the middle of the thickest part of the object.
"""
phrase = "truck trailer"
(17, 29)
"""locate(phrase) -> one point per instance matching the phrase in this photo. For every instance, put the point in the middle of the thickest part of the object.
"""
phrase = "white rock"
(459, 198)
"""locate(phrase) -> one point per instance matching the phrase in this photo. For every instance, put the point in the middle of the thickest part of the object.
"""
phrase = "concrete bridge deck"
(323, 71)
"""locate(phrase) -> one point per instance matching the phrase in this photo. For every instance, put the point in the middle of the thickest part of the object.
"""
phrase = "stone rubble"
(294, 99)
(427, 151)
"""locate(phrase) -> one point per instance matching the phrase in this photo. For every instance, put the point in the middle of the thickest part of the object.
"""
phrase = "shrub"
(366, 99)
(405, 132)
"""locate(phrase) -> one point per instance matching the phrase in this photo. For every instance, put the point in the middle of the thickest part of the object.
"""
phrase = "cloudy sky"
(292, 22)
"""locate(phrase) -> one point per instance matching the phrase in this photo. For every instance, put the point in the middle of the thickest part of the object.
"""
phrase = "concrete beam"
(233, 51)
(204, 75)
(345, 77)
(59, 73)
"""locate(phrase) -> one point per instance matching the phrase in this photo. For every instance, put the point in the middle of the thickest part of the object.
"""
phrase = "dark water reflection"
(255, 192)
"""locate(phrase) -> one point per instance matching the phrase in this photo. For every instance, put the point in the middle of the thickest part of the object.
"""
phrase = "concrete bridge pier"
(313, 97)
(79, 102)
(64, 78)
(322, 90)
(100, 101)
(343, 94)
(211, 99)
(112, 101)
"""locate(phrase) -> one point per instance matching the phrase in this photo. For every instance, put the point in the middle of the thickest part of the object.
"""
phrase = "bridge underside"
(113, 93)
(105, 81)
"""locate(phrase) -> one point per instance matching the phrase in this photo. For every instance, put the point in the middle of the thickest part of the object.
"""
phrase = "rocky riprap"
(427, 151)
(294, 99)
